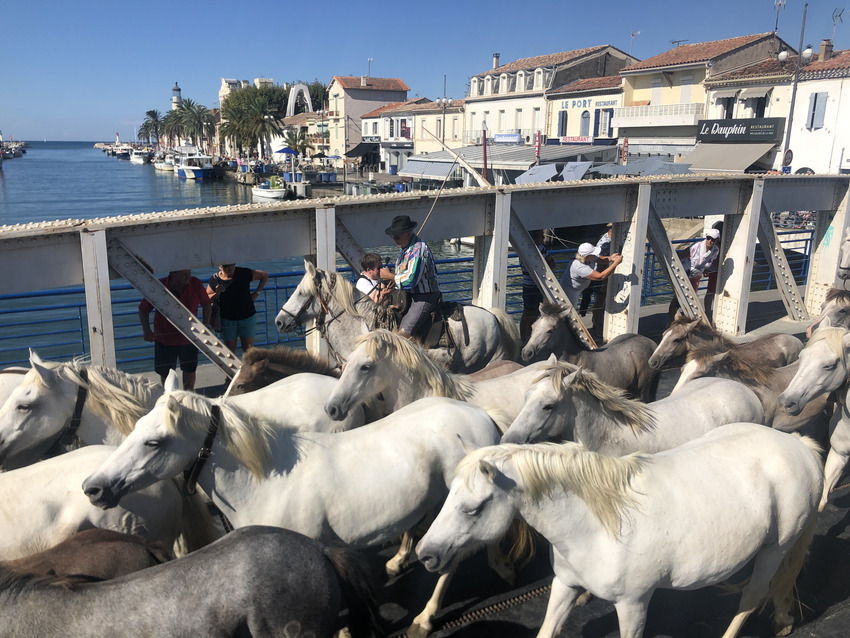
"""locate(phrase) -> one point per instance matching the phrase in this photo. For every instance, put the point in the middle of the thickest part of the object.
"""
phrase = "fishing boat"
(274, 188)
(140, 156)
(164, 162)
(191, 164)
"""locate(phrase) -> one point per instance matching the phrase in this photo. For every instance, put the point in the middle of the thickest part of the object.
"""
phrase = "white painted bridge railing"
(75, 252)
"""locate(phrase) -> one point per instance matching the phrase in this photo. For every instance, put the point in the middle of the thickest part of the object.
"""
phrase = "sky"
(82, 70)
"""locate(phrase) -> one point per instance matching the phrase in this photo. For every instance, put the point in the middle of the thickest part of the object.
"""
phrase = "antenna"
(676, 43)
(836, 18)
(634, 35)
(777, 5)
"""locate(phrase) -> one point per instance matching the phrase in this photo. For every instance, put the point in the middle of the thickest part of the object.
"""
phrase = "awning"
(363, 148)
(734, 158)
(426, 170)
(724, 93)
(760, 91)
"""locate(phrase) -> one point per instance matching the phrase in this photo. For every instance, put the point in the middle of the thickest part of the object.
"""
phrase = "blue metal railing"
(56, 326)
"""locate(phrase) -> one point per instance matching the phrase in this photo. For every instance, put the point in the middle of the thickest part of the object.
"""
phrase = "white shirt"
(365, 285)
(574, 280)
(700, 258)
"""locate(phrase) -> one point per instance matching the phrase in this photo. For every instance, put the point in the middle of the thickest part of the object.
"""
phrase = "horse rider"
(415, 273)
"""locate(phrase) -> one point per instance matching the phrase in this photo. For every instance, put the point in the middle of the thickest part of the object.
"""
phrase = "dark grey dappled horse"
(256, 581)
(621, 363)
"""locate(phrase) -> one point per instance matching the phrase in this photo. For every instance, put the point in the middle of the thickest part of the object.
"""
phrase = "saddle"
(397, 303)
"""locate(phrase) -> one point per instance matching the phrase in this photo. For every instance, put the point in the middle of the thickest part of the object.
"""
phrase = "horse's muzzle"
(100, 495)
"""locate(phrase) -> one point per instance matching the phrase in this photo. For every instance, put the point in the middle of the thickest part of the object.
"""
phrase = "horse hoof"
(582, 600)
(417, 631)
(395, 568)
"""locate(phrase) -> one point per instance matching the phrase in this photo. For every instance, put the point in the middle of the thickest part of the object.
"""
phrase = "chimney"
(825, 50)
(362, 80)
(495, 60)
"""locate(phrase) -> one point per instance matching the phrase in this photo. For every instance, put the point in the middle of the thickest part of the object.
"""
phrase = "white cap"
(588, 249)
(713, 233)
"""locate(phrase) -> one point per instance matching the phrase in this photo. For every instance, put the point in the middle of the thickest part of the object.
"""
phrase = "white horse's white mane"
(382, 344)
(833, 336)
(114, 396)
(342, 291)
(612, 401)
(602, 482)
(245, 437)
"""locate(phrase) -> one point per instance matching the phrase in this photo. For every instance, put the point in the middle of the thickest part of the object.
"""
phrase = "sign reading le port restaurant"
(760, 129)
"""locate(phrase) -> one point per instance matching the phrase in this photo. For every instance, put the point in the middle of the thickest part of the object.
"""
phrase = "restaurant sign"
(760, 129)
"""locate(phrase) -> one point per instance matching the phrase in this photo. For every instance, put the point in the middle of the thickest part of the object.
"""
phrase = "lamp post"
(804, 56)
(444, 103)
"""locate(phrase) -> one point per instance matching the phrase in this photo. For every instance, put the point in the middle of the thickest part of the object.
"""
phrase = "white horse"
(567, 403)
(386, 364)
(824, 369)
(42, 505)
(621, 528)
(344, 313)
(363, 487)
(40, 410)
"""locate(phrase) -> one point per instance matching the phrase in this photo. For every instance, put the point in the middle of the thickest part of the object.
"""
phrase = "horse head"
(547, 414)
(302, 304)
(674, 341)
(823, 367)
(549, 333)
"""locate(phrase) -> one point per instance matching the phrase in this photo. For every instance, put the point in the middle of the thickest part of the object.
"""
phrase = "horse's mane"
(602, 482)
(14, 581)
(382, 344)
(340, 291)
(613, 402)
(297, 360)
(832, 335)
(738, 366)
(244, 436)
(839, 296)
(699, 330)
(554, 310)
(115, 396)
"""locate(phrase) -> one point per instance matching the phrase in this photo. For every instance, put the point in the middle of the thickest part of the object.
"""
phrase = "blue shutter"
(820, 110)
(811, 112)
(596, 123)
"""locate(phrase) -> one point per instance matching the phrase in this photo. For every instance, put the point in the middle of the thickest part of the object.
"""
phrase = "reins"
(193, 471)
(76, 418)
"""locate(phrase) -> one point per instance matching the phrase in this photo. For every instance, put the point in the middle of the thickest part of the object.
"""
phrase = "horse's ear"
(260, 365)
(845, 341)
(309, 268)
(552, 360)
(47, 375)
(720, 356)
(488, 470)
(172, 405)
(172, 381)
(680, 314)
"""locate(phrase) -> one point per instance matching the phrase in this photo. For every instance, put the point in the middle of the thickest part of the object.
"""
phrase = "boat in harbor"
(123, 151)
(274, 188)
(189, 163)
(164, 162)
(140, 156)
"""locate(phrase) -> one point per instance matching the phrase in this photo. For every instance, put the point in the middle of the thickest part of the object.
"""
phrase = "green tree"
(296, 139)
(197, 122)
(172, 127)
(151, 126)
(251, 115)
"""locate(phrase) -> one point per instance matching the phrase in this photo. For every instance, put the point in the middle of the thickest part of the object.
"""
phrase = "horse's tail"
(782, 585)
(509, 339)
(358, 583)
(198, 527)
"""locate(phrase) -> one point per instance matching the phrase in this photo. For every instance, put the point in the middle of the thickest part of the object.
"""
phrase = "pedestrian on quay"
(230, 290)
(169, 344)
(696, 260)
(415, 273)
(531, 295)
(599, 288)
(582, 271)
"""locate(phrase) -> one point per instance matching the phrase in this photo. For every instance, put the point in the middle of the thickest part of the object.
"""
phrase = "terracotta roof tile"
(767, 68)
(591, 84)
(838, 65)
(550, 59)
(373, 84)
(398, 106)
(694, 53)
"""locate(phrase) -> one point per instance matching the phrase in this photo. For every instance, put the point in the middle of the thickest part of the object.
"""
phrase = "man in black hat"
(415, 272)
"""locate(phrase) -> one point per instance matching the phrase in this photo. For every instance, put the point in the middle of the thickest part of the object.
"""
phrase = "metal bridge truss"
(91, 252)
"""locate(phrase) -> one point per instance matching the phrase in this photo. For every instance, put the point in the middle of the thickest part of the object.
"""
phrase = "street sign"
(787, 158)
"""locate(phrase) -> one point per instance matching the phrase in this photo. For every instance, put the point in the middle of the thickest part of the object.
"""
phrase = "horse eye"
(548, 407)
(366, 367)
(550, 331)
(24, 407)
(473, 510)
(154, 443)
(831, 366)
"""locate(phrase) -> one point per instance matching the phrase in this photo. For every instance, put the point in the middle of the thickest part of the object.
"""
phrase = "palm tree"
(172, 127)
(261, 123)
(197, 121)
(296, 139)
(151, 126)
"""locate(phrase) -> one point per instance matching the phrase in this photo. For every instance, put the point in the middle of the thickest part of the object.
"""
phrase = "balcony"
(660, 115)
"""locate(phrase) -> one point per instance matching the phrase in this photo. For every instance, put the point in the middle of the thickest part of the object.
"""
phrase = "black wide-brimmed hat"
(401, 224)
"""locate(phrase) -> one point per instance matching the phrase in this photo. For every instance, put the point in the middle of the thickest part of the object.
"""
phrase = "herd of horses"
(111, 483)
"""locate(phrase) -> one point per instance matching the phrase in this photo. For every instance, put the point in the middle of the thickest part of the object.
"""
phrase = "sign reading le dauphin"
(760, 129)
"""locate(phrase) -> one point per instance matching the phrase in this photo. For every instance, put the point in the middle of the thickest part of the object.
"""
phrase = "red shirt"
(193, 296)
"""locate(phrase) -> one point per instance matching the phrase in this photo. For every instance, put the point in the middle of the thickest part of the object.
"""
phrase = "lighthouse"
(176, 98)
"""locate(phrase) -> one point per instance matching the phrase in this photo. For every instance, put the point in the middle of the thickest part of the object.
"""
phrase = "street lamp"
(444, 103)
(804, 57)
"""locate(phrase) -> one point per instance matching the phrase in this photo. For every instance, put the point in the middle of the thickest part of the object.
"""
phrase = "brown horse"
(264, 366)
(686, 334)
(91, 555)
